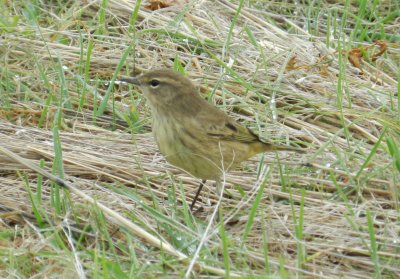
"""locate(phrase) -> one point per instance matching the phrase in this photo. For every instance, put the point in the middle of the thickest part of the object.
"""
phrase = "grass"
(282, 69)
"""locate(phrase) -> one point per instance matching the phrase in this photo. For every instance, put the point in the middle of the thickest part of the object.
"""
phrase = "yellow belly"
(201, 156)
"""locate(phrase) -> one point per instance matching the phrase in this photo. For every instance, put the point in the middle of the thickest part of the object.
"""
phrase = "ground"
(322, 76)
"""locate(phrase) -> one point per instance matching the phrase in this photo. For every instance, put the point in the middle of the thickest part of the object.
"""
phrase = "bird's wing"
(229, 130)
(218, 125)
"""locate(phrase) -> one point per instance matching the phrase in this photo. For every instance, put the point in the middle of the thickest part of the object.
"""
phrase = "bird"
(193, 134)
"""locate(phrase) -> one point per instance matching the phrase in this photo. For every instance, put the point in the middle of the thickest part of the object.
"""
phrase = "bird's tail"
(274, 147)
(260, 147)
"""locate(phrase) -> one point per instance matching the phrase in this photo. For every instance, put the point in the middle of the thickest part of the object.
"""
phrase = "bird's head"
(161, 87)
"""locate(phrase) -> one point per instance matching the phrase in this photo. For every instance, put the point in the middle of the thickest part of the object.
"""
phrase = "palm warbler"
(191, 133)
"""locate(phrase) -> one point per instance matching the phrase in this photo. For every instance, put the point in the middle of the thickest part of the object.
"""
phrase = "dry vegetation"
(282, 69)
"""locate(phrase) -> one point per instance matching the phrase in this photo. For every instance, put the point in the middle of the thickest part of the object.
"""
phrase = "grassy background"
(282, 69)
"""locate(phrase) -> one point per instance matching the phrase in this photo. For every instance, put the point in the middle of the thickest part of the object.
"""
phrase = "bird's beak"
(133, 80)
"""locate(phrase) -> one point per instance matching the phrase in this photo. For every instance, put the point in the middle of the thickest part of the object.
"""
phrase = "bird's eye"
(154, 83)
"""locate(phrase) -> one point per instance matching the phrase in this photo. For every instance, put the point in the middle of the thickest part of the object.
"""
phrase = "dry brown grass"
(285, 104)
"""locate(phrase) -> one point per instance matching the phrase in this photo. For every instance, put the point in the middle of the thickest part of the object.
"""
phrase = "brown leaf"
(382, 48)
(291, 65)
(355, 57)
(159, 4)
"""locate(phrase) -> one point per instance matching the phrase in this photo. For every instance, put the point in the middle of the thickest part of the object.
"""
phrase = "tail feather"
(260, 147)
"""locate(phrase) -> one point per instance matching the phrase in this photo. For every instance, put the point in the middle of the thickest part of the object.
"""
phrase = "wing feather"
(230, 130)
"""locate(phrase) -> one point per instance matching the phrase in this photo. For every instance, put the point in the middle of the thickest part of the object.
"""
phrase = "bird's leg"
(218, 185)
(197, 194)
